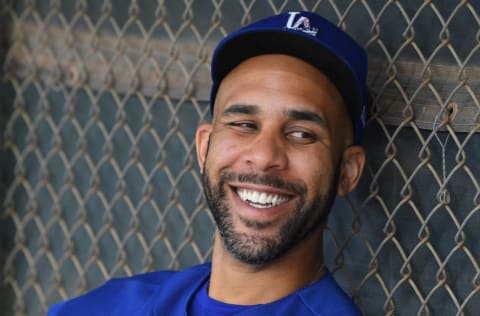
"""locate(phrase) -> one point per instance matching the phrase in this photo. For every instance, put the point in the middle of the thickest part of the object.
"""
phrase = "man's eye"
(301, 137)
(243, 125)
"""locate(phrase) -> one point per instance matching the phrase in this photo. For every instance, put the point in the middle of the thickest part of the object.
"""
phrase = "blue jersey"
(169, 293)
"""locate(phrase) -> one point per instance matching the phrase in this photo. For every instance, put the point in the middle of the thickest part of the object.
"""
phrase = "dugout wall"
(99, 101)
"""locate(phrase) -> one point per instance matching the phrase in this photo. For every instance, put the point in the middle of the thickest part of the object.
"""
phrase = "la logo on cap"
(301, 23)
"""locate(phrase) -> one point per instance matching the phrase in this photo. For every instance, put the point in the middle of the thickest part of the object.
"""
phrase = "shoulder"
(127, 296)
(325, 297)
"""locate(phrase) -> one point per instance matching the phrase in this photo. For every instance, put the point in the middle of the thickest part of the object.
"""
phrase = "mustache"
(274, 181)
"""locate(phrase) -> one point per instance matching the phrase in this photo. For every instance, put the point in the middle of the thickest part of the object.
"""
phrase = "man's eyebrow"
(306, 116)
(241, 109)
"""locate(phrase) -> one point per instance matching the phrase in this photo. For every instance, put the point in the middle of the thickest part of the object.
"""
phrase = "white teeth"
(261, 199)
(270, 199)
(274, 200)
(254, 196)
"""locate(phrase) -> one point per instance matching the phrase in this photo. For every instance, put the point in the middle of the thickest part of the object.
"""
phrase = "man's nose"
(267, 152)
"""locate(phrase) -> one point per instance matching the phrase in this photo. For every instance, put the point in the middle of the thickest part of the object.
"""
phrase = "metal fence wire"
(99, 105)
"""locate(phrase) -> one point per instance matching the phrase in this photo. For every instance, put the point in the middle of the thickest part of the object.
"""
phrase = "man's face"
(272, 156)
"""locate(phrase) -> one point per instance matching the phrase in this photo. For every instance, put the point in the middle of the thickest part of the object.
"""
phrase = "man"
(288, 103)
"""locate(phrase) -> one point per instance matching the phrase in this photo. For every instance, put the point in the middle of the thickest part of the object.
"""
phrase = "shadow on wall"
(7, 228)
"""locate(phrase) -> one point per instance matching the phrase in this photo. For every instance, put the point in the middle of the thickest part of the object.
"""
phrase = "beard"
(253, 248)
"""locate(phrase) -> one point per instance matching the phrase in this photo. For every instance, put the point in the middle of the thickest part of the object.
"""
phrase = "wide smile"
(261, 199)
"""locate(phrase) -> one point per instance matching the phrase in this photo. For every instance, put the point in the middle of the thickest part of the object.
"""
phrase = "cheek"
(223, 152)
(316, 171)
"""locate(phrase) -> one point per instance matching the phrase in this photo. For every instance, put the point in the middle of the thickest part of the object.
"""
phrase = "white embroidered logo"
(300, 24)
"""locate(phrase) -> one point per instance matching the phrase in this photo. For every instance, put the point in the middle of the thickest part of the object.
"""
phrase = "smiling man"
(288, 103)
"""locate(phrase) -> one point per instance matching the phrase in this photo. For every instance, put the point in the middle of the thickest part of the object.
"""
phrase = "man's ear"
(353, 161)
(201, 140)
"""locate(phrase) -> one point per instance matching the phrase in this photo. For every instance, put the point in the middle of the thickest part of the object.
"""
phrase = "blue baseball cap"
(307, 36)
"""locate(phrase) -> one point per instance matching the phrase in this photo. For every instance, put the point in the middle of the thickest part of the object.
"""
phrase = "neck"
(236, 282)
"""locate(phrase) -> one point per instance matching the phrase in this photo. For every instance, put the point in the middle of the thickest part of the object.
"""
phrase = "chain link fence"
(99, 104)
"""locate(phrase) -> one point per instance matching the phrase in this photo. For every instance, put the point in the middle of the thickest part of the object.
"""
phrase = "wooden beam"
(179, 69)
